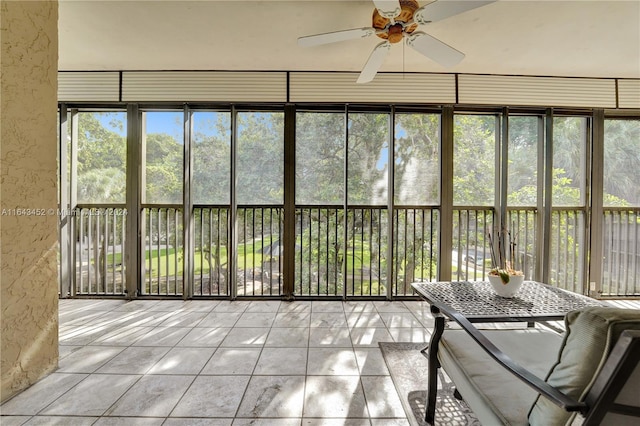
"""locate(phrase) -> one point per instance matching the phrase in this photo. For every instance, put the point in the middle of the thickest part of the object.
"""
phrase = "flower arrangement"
(504, 265)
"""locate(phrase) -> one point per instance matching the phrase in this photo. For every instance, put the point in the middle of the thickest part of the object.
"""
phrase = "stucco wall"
(28, 198)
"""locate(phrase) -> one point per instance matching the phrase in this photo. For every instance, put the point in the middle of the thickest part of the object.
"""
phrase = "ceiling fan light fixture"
(395, 33)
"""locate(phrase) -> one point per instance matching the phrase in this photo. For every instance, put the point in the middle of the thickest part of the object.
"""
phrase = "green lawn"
(163, 262)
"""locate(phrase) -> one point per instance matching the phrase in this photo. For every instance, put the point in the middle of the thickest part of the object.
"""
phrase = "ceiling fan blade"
(374, 62)
(388, 8)
(434, 49)
(439, 10)
(318, 39)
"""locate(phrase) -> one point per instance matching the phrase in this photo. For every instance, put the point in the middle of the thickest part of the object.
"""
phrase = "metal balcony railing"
(471, 256)
(568, 249)
(338, 257)
(319, 251)
(260, 251)
(99, 250)
(523, 225)
(211, 253)
(472, 252)
(415, 247)
(366, 251)
(336, 254)
(163, 251)
(621, 252)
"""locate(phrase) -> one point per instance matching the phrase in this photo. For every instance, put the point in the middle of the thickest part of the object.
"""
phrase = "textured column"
(28, 198)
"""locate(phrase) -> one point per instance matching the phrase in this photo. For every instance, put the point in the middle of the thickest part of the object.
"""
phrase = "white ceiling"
(559, 38)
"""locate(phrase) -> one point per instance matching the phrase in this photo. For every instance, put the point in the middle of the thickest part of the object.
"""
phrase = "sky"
(170, 122)
(157, 122)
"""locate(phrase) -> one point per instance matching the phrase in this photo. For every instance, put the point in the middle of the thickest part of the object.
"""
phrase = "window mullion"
(547, 199)
(289, 232)
(134, 188)
(233, 206)
(596, 215)
(445, 241)
(502, 137)
(187, 213)
(390, 203)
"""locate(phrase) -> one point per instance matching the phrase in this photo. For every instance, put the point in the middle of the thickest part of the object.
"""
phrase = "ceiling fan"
(394, 20)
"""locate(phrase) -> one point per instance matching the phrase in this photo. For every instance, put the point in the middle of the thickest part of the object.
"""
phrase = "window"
(345, 238)
(568, 241)
(522, 183)
(417, 159)
(260, 158)
(320, 140)
(368, 158)
(101, 157)
(621, 200)
(97, 159)
(211, 157)
(163, 141)
(622, 163)
(474, 169)
(569, 161)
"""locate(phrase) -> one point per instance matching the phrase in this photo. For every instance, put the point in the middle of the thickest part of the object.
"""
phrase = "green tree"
(569, 155)
(212, 157)
(523, 155)
(102, 185)
(163, 169)
(474, 160)
(368, 147)
(417, 159)
(260, 158)
(622, 161)
(101, 157)
(320, 148)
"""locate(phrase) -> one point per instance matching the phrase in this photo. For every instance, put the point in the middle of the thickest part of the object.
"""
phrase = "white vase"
(509, 289)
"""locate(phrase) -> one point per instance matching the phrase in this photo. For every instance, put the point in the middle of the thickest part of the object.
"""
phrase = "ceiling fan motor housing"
(395, 32)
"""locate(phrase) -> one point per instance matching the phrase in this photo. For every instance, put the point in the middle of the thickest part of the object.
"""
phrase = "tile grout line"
(320, 308)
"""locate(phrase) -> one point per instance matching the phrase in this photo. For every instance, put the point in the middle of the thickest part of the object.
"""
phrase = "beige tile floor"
(221, 363)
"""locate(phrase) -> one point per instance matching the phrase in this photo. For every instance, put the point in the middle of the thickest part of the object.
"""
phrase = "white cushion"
(495, 395)
(590, 336)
